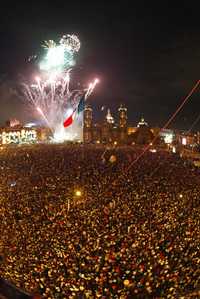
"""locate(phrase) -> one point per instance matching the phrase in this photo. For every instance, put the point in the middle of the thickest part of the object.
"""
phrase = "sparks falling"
(51, 93)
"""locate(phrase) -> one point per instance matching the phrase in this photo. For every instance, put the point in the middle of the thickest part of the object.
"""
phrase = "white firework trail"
(51, 94)
(54, 100)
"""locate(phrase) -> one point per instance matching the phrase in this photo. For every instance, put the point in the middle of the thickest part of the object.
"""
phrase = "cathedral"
(118, 132)
(109, 131)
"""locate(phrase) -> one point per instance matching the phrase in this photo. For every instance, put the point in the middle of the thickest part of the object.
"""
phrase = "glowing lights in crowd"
(113, 159)
(153, 150)
(78, 193)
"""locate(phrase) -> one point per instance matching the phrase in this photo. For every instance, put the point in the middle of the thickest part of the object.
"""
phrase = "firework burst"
(51, 94)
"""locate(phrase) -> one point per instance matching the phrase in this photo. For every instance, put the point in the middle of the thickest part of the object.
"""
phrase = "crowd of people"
(132, 231)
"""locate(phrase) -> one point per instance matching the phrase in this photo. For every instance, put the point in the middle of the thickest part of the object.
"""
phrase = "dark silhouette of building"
(143, 134)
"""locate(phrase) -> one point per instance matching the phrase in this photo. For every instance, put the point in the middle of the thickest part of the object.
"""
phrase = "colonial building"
(142, 134)
(109, 130)
(15, 133)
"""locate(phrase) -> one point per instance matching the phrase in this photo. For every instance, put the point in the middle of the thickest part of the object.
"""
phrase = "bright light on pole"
(78, 193)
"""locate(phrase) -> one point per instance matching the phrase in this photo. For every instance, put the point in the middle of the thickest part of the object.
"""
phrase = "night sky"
(146, 56)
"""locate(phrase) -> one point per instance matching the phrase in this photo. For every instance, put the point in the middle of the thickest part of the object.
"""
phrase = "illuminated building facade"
(108, 131)
(167, 136)
(142, 135)
(142, 122)
(198, 138)
(123, 134)
(186, 139)
(131, 130)
(122, 117)
(17, 135)
(96, 133)
(88, 117)
(88, 125)
(109, 117)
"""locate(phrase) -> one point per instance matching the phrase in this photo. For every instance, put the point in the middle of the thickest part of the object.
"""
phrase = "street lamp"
(78, 193)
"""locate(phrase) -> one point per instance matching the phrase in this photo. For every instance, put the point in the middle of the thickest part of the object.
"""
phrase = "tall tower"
(87, 117)
(122, 117)
(87, 128)
(109, 117)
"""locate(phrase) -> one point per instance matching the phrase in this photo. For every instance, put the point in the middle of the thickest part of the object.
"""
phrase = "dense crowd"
(134, 232)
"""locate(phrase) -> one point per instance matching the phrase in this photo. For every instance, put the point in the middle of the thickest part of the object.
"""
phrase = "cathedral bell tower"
(122, 117)
(87, 128)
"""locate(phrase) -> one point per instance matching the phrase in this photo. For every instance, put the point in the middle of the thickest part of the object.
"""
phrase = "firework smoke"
(51, 94)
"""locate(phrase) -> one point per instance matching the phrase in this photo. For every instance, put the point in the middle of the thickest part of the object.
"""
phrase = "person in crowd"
(131, 232)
